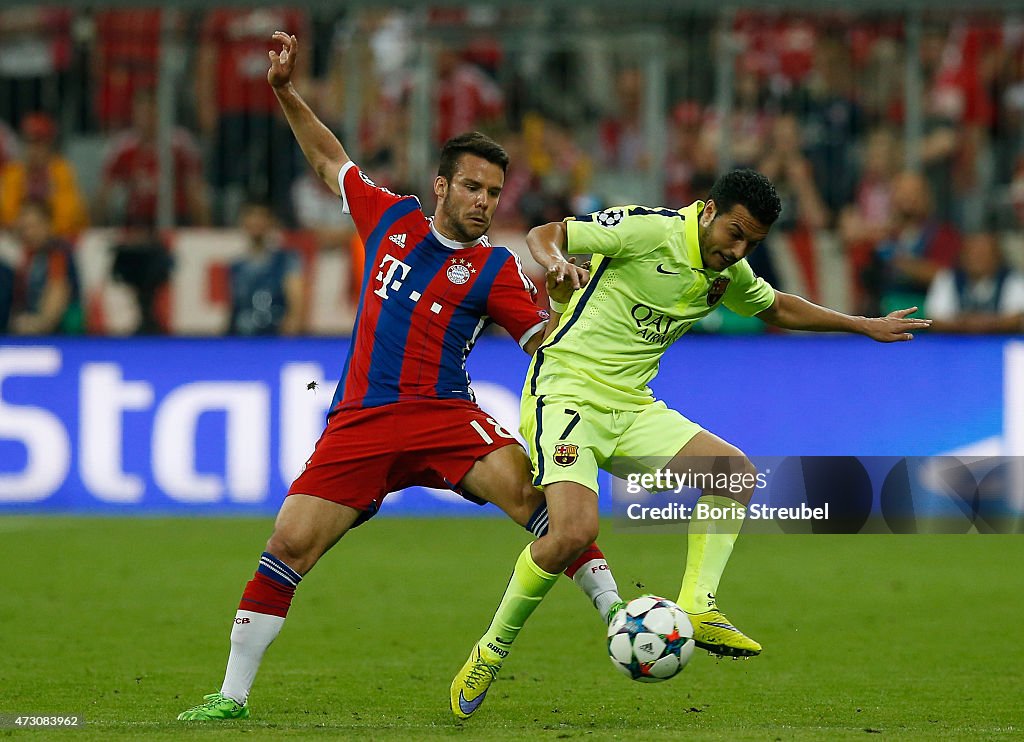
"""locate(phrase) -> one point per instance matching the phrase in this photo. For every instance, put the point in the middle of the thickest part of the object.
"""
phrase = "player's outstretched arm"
(321, 148)
(547, 244)
(792, 312)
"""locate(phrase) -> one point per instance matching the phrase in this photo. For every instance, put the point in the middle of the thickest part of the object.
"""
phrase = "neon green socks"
(526, 589)
(713, 530)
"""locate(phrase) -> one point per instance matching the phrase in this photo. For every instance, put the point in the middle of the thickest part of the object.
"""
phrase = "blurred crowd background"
(149, 185)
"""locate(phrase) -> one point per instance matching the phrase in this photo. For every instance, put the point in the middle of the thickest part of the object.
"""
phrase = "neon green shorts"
(569, 440)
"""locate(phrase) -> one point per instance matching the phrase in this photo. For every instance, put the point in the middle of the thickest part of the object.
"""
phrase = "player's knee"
(572, 540)
(294, 549)
(748, 468)
(578, 543)
(747, 472)
(742, 478)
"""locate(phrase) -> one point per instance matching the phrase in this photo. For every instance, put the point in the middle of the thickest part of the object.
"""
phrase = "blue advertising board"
(176, 425)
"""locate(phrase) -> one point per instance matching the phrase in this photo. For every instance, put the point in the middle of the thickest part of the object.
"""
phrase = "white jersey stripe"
(473, 337)
(532, 331)
(341, 184)
(527, 283)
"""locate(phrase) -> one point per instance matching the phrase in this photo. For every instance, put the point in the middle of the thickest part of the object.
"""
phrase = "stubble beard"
(463, 232)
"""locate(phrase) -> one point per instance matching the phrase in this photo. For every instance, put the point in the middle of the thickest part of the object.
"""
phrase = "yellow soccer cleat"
(470, 686)
(713, 632)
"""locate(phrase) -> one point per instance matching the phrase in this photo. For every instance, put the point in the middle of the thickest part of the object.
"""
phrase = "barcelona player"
(403, 413)
(586, 403)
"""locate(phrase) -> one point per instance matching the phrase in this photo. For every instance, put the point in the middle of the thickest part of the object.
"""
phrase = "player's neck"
(443, 234)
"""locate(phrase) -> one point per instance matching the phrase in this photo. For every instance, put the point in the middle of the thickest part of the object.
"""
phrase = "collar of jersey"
(692, 242)
(449, 243)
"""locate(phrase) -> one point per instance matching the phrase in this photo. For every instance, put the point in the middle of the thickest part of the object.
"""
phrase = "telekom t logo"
(389, 266)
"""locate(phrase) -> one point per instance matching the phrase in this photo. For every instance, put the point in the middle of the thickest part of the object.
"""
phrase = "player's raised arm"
(547, 245)
(321, 148)
(792, 312)
(559, 295)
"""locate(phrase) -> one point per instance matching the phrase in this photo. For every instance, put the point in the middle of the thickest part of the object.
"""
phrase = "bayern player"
(586, 402)
(403, 413)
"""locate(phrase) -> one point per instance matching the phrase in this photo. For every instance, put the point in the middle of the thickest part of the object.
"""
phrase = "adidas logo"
(398, 239)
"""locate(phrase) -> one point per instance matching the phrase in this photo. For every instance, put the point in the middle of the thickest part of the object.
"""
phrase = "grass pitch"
(126, 621)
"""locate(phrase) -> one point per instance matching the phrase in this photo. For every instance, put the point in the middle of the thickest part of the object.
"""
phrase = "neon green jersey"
(648, 286)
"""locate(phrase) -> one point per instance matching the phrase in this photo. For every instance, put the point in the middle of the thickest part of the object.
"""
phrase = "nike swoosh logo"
(468, 707)
(661, 269)
(727, 627)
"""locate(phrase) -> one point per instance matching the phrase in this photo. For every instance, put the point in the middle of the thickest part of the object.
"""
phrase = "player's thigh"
(502, 478)
(651, 440)
(731, 473)
(341, 484)
(567, 439)
(306, 527)
(457, 445)
(716, 452)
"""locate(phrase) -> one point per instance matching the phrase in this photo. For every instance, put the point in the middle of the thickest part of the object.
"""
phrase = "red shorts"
(362, 455)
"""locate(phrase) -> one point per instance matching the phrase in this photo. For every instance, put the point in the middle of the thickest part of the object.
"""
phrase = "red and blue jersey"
(424, 301)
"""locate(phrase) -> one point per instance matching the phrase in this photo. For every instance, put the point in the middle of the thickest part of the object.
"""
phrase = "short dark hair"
(470, 143)
(747, 188)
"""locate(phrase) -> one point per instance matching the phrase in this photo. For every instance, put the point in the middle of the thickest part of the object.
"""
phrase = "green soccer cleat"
(713, 632)
(470, 686)
(215, 706)
(614, 608)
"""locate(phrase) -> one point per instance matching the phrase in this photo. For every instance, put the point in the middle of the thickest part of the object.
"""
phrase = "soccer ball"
(650, 640)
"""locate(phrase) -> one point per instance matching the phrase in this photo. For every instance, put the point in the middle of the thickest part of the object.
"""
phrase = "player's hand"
(561, 284)
(566, 271)
(895, 326)
(282, 63)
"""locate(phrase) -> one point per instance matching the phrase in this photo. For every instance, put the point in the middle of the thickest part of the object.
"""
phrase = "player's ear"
(440, 186)
(708, 215)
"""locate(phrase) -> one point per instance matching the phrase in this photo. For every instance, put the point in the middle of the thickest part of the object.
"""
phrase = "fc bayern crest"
(460, 271)
(717, 290)
(566, 454)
